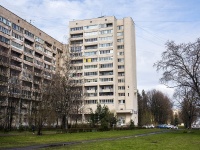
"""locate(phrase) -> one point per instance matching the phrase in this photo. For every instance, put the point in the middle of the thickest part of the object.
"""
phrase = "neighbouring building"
(103, 50)
(28, 57)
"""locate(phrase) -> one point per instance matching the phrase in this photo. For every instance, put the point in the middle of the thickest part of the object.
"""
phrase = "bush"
(132, 125)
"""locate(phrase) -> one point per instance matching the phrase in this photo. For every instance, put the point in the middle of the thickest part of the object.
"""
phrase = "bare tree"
(180, 64)
(67, 92)
(187, 100)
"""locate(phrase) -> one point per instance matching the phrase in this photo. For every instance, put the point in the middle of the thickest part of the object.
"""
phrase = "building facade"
(103, 50)
(28, 57)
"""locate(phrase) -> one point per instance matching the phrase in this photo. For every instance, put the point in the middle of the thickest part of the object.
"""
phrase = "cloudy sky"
(156, 21)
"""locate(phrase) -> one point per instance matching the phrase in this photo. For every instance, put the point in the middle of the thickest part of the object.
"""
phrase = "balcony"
(3, 93)
(17, 50)
(4, 73)
(26, 96)
(106, 90)
(16, 67)
(29, 38)
(16, 58)
(91, 91)
(38, 66)
(38, 74)
(4, 54)
(27, 88)
(37, 82)
(48, 48)
(4, 63)
(123, 111)
(27, 79)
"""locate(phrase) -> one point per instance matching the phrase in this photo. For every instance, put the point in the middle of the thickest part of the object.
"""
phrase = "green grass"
(171, 141)
(16, 139)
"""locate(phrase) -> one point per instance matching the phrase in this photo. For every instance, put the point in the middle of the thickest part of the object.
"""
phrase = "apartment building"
(103, 50)
(28, 57)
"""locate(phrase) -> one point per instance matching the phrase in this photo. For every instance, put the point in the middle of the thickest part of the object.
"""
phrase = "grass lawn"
(16, 139)
(178, 140)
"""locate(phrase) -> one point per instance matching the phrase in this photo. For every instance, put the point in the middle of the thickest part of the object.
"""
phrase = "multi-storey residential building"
(103, 49)
(28, 57)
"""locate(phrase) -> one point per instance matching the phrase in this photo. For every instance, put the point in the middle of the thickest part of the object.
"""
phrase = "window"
(106, 52)
(38, 62)
(49, 67)
(76, 35)
(77, 42)
(105, 45)
(27, 75)
(17, 36)
(120, 46)
(5, 21)
(120, 53)
(105, 58)
(90, 66)
(105, 32)
(39, 47)
(91, 40)
(105, 79)
(29, 59)
(4, 40)
(121, 94)
(120, 40)
(90, 27)
(106, 65)
(17, 45)
(121, 80)
(120, 27)
(31, 35)
(91, 33)
(47, 59)
(108, 38)
(91, 80)
(17, 28)
(91, 60)
(106, 25)
(105, 73)
(120, 59)
(90, 73)
(48, 52)
(121, 87)
(90, 101)
(4, 30)
(28, 51)
(106, 101)
(121, 101)
(90, 53)
(120, 33)
(91, 94)
(121, 67)
(91, 47)
(76, 49)
(76, 28)
(76, 68)
(39, 40)
(121, 74)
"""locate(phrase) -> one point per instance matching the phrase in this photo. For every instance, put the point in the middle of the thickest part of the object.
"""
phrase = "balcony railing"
(16, 67)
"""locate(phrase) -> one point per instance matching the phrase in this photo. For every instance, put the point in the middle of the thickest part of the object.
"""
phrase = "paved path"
(84, 141)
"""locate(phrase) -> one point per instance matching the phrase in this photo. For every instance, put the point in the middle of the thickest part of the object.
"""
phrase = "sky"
(156, 22)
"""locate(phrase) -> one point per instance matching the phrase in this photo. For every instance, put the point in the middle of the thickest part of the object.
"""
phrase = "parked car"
(148, 126)
(195, 126)
(161, 126)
